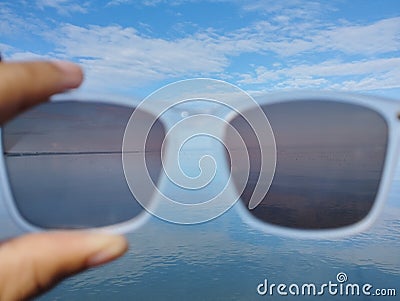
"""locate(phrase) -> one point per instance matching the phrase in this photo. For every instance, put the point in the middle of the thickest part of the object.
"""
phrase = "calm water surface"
(225, 259)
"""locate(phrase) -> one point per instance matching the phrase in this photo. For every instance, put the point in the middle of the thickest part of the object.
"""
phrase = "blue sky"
(134, 47)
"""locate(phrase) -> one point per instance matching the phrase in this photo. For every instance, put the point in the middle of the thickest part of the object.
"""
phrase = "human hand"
(32, 264)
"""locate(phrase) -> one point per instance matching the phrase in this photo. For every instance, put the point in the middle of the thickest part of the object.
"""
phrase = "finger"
(34, 263)
(23, 85)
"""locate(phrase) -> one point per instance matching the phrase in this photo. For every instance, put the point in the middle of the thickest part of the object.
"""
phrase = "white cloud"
(327, 69)
(379, 37)
(124, 56)
(13, 23)
(375, 74)
(376, 38)
(5, 48)
(388, 80)
(118, 2)
(28, 56)
(289, 8)
(64, 7)
(115, 45)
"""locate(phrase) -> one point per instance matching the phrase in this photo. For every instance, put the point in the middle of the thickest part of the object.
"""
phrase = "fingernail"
(73, 75)
(107, 247)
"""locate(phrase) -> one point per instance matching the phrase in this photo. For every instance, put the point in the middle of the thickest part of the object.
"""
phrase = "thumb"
(25, 84)
(31, 264)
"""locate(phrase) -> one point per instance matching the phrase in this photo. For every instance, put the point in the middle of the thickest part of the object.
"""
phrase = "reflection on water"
(225, 260)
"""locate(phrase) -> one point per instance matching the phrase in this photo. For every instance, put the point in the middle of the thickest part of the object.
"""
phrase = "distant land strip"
(32, 154)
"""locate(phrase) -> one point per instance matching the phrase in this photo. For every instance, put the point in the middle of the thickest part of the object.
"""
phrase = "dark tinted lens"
(330, 158)
(64, 163)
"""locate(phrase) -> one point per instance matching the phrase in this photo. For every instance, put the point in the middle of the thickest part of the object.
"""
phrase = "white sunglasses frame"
(389, 109)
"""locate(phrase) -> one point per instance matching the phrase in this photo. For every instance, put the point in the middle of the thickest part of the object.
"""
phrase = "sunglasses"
(313, 164)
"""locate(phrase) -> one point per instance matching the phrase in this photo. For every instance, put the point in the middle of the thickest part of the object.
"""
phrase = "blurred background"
(136, 47)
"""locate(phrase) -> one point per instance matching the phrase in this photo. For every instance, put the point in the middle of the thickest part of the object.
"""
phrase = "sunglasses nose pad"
(199, 184)
(194, 169)
(193, 94)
